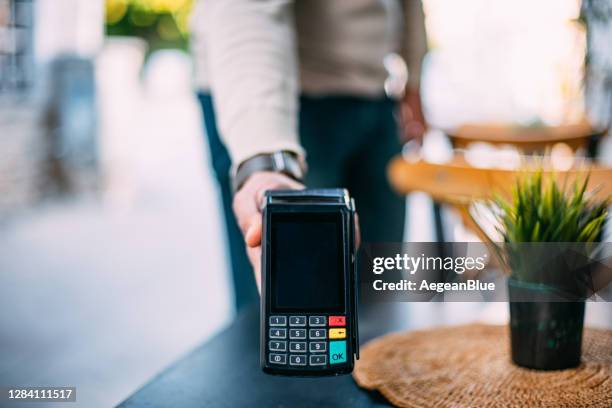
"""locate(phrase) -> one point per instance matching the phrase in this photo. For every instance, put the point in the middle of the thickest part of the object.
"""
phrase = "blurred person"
(284, 83)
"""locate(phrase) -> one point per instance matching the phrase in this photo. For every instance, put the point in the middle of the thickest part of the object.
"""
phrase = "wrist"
(283, 162)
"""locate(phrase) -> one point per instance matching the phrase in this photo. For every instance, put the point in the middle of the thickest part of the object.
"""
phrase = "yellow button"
(337, 333)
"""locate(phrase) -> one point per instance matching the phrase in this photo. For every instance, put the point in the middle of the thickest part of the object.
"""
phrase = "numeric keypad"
(303, 340)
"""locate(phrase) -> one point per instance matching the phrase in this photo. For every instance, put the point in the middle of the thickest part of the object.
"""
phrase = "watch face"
(288, 163)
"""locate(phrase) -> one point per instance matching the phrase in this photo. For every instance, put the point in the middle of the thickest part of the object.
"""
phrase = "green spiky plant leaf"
(541, 211)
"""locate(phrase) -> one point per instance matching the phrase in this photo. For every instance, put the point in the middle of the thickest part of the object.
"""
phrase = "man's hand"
(413, 123)
(247, 207)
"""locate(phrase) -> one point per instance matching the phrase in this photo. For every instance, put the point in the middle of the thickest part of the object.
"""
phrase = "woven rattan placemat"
(470, 366)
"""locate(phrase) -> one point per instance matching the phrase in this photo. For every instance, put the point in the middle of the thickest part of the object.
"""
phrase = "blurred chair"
(529, 139)
(458, 184)
(581, 138)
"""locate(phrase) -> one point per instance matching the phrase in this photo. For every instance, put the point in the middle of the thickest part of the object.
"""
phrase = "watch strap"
(282, 162)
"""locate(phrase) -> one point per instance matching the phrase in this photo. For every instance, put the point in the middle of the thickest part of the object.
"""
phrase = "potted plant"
(549, 234)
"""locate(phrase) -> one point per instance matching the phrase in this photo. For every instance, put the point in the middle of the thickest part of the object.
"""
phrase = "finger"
(414, 130)
(254, 255)
(245, 208)
(253, 235)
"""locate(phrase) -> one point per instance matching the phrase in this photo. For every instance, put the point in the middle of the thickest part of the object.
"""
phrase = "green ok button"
(337, 352)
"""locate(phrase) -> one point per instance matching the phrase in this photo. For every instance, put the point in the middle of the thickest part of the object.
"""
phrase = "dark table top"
(225, 372)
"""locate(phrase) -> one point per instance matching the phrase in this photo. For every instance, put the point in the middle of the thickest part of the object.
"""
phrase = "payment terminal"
(309, 300)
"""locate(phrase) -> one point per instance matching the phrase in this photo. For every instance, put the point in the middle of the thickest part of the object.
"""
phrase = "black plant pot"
(545, 335)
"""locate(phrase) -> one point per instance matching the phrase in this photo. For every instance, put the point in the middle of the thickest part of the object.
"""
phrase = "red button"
(337, 321)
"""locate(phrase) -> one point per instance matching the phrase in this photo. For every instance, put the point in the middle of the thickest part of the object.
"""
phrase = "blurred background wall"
(112, 254)
(112, 261)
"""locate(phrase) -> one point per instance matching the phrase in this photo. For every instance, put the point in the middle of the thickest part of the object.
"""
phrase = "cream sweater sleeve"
(252, 63)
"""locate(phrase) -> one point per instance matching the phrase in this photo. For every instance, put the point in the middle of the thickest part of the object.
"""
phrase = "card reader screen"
(307, 263)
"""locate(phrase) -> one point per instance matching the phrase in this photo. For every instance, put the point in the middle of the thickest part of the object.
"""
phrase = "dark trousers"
(348, 142)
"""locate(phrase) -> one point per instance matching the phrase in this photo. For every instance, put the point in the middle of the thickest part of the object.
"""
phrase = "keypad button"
(318, 359)
(278, 358)
(337, 333)
(317, 346)
(297, 346)
(278, 333)
(297, 359)
(278, 320)
(337, 352)
(317, 333)
(299, 321)
(337, 321)
(297, 334)
(276, 345)
(317, 321)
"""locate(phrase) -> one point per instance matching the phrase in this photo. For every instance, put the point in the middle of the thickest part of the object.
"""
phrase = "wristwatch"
(282, 162)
